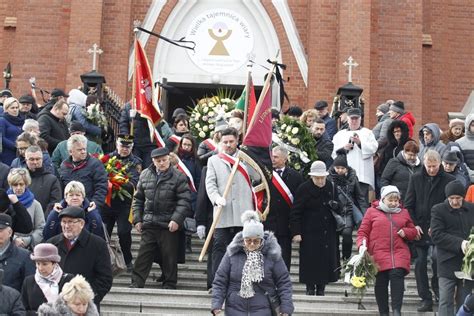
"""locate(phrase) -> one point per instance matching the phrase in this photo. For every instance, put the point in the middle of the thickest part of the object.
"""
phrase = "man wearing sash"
(285, 181)
(238, 200)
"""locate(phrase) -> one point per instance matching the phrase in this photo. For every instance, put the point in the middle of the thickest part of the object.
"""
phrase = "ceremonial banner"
(145, 103)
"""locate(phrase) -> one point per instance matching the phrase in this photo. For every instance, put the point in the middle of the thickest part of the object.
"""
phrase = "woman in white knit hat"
(252, 273)
(383, 231)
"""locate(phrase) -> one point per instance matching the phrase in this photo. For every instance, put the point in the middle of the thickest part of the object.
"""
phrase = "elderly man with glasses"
(82, 252)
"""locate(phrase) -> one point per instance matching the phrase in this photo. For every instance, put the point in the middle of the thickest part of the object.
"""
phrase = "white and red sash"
(282, 188)
(181, 166)
(210, 143)
(229, 160)
(175, 139)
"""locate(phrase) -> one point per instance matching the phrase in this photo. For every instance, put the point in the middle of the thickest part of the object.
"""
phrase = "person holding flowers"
(118, 210)
(384, 230)
(451, 224)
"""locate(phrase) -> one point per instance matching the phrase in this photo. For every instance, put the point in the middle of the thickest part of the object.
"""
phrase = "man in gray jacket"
(239, 199)
(160, 205)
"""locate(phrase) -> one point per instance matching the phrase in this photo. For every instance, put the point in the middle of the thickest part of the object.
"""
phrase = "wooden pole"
(217, 217)
(134, 98)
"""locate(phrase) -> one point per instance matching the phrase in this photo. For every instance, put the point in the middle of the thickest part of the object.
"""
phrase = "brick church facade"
(418, 51)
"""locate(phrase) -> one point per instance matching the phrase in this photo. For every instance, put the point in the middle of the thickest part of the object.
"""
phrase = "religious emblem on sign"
(224, 40)
(223, 33)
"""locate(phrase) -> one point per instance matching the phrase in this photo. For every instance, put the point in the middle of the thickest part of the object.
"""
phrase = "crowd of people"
(404, 191)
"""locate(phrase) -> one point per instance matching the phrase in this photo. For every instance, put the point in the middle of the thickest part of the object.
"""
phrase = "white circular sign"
(223, 41)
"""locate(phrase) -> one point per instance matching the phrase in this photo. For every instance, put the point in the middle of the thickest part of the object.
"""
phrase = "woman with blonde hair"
(76, 298)
(74, 195)
(19, 180)
(10, 127)
(308, 117)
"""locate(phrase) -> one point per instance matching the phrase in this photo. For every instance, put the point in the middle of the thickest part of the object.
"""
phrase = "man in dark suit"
(284, 184)
(83, 253)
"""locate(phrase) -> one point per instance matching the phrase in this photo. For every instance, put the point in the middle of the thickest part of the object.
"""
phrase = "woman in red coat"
(385, 228)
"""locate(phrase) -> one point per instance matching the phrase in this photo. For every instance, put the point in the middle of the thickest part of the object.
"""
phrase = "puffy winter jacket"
(159, 200)
(435, 144)
(379, 229)
(276, 280)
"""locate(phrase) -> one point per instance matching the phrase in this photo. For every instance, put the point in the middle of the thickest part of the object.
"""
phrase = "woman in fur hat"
(455, 131)
(48, 281)
(251, 272)
(75, 299)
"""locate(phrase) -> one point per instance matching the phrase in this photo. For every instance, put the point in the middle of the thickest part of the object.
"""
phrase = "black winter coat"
(46, 188)
(398, 172)
(10, 302)
(324, 148)
(21, 219)
(16, 265)
(4, 170)
(350, 185)
(423, 192)
(88, 257)
(33, 296)
(53, 130)
(278, 219)
(204, 209)
(158, 201)
(449, 227)
(393, 147)
(91, 173)
(311, 218)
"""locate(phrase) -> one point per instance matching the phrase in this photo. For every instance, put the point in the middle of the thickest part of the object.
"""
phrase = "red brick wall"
(52, 37)
(448, 65)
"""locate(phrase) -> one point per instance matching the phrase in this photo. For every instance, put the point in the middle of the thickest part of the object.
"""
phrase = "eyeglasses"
(22, 148)
(255, 241)
(19, 171)
(70, 222)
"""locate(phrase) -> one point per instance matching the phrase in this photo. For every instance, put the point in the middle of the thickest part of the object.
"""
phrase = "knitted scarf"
(384, 208)
(50, 284)
(252, 272)
(26, 198)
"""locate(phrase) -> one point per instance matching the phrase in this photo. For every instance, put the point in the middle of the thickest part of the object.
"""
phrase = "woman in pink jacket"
(385, 228)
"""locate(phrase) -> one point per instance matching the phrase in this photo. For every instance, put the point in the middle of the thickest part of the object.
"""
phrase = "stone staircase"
(191, 297)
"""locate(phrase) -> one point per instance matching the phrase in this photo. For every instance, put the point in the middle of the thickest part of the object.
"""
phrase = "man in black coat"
(44, 185)
(10, 300)
(21, 219)
(425, 189)
(82, 167)
(119, 209)
(451, 223)
(14, 261)
(160, 205)
(324, 145)
(278, 220)
(53, 126)
(83, 253)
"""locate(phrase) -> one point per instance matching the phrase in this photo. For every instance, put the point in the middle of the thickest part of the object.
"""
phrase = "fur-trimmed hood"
(60, 308)
(271, 249)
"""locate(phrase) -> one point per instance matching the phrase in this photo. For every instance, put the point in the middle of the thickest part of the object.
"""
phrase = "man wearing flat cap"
(160, 205)
(15, 261)
(451, 223)
(82, 252)
(323, 113)
(119, 209)
(360, 145)
(451, 164)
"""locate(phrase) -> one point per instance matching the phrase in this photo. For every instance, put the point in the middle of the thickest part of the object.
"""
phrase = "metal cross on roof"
(95, 50)
(350, 63)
